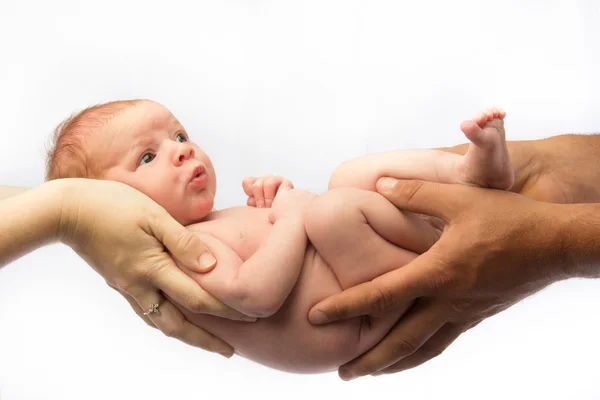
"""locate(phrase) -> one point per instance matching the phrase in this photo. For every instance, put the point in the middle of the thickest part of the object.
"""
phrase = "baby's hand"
(262, 191)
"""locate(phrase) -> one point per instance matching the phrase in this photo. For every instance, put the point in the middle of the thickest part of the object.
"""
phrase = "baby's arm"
(260, 285)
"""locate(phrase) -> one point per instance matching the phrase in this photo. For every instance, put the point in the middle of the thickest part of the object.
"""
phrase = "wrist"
(559, 169)
(579, 226)
(30, 219)
(569, 165)
(63, 195)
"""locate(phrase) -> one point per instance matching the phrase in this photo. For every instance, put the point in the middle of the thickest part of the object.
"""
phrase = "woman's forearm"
(28, 219)
(9, 191)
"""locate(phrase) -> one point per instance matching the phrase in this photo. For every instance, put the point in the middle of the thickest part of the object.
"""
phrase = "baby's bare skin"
(286, 340)
(277, 263)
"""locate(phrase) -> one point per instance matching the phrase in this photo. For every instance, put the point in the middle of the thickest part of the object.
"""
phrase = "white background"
(291, 88)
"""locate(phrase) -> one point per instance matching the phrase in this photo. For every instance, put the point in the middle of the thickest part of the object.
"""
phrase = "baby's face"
(145, 147)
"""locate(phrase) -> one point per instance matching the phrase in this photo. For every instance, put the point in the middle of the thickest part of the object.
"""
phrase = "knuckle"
(453, 275)
(363, 370)
(460, 306)
(195, 304)
(382, 300)
(429, 353)
(125, 285)
(408, 191)
(151, 272)
(186, 241)
(404, 347)
(172, 331)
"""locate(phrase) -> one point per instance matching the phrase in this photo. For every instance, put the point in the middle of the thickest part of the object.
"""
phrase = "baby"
(277, 262)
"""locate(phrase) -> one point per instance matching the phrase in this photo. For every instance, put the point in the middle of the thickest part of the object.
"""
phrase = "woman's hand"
(129, 240)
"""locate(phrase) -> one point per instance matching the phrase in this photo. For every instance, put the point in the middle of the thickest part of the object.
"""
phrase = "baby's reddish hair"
(67, 157)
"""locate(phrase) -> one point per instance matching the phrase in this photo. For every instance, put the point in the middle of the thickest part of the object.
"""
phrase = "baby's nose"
(185, 153)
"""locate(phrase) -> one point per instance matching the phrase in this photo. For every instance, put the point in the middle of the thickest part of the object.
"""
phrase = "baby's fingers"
(258, 192)
(247, 185)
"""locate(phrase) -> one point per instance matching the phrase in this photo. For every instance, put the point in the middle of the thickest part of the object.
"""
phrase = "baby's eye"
(181, 138)
(146, 158)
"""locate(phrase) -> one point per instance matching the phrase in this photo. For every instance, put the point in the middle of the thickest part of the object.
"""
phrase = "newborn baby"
(277, 262)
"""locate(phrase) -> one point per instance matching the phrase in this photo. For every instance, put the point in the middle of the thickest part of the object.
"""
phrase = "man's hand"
(559, 169)
(262, 191)
(497, 248)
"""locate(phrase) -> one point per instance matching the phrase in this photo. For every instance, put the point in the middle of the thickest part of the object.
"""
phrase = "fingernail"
(226, 354)
(207, 260)
(377, 373)
(248, 319)
(346, 374)
(386, 184)
(318, 317)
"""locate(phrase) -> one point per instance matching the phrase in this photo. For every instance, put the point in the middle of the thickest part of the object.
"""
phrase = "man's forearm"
(559, 169)
(28, 220)
(580, 234)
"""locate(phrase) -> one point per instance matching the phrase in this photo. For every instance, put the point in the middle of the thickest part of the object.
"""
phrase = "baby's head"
(139, 143)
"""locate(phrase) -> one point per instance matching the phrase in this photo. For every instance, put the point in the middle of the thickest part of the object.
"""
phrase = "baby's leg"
(487, 162)
(361, 236)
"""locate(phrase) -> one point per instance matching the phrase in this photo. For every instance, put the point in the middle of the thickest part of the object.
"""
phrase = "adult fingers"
(421, 322)
(430, 349)
(185, 246)
(187, 292)
(424, 197)
(172, 323)
(134, 305)
(383, 294)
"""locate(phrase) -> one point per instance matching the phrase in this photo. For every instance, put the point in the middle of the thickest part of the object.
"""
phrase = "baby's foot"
(487, 162)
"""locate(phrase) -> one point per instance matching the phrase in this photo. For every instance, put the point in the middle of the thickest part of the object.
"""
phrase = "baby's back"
(286, 340)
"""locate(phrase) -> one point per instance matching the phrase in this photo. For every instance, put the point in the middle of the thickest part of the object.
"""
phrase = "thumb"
(184, 245)
(424, 197)
(384, 294)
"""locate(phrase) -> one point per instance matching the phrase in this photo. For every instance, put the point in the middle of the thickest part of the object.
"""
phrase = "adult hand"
(129, 240)
(496, 248)
(558, 169)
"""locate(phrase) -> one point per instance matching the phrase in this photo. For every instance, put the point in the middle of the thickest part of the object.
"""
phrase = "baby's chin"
(191, 216)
